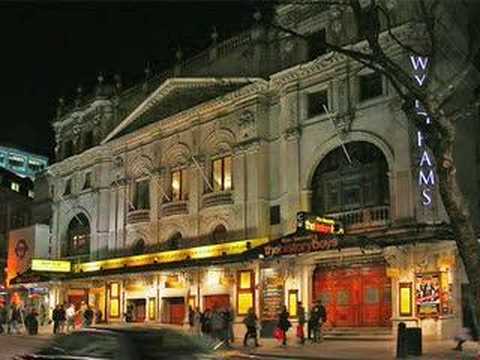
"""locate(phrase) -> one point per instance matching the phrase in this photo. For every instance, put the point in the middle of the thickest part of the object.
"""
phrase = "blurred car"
(124, 344)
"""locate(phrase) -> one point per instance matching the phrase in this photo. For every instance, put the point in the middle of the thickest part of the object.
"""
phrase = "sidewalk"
(356, 350)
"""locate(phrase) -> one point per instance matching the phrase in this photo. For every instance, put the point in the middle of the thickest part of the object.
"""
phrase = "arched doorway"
(78, 236)
(354, 189)
(351, 191)
(219, 234)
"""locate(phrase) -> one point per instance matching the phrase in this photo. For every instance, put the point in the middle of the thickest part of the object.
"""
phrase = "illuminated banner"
(196, 253)
(51, 265)
(292, 245)
(317, 224)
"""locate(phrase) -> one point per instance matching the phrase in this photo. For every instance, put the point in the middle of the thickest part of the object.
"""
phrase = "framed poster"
(292, 303)
(427, 293)
(405, 299)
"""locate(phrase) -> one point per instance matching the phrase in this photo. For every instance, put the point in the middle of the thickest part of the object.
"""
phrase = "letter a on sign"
(425, 159)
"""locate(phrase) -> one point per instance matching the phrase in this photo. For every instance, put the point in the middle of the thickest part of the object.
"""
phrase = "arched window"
(219, 234)
(339, 185)
(78, 236)
(174, 241)
(139, 247)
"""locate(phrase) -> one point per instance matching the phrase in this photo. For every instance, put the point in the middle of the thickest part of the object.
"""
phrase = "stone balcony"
(174, 208)
(375, 216)
(217, 198)
(138, 216)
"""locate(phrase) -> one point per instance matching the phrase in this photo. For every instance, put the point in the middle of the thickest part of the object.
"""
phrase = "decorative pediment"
(175, 96)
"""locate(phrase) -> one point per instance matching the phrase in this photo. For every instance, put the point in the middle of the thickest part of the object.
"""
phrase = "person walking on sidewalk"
(88, 317)
(197, 322)
(284, 324)
(313, 324)
(322, 314)
(250, 322)
(301, 322)
(70, 315)
(31, 322)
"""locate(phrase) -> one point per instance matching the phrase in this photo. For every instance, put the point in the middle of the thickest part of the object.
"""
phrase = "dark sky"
(48, 49)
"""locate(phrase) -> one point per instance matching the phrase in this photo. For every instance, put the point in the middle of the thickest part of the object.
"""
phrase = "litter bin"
(413, 337)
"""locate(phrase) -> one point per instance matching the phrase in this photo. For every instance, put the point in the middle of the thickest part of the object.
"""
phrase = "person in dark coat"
(31, 322)
(322, 313)
(88, 316)
(205, 319)
(250, 322)
(301, 322)
(55, 318)
(284, 324)
(313, 320)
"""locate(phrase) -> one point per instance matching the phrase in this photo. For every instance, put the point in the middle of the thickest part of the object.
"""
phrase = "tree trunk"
(460, 221)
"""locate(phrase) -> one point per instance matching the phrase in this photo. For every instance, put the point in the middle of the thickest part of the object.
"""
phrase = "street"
(14, 345)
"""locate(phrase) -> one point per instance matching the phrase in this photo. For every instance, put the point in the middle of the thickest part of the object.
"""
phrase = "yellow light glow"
(201, 252)
(245, 302)
(51, 265)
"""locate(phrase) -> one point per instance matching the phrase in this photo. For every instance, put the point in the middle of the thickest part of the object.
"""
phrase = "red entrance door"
(354, 296)
(176, 310)
(213, 302)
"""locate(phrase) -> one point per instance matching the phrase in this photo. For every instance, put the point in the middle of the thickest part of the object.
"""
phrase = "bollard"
(402, 346)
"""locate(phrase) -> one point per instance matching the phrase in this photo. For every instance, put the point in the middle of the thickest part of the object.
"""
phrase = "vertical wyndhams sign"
(426, 174)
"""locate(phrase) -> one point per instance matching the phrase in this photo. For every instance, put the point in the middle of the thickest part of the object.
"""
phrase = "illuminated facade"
(226, 148)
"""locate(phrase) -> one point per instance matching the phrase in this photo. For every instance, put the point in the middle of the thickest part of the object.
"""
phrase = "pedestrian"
(191, 315)
(250, 322)
(197, 322)
(218, 324)
(284, 324)
(312, 325)
(227, 330)
(301, 322)
(43, 316)
(56, 319)
(3, 318)
(98, 316)
(230, 317)
(322, 315)
(62, 318)
(70, 317)
(31, 322)
(88, 316)
(16, 319)
(206, 322)
(468, 331)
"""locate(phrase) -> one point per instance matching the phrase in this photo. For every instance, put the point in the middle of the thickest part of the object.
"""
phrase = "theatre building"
(197, 187)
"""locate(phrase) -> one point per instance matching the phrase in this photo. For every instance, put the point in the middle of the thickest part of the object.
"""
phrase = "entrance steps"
(359, 333)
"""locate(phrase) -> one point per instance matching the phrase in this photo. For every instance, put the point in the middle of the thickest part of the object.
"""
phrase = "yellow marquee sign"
(196, 253)
(51, 265)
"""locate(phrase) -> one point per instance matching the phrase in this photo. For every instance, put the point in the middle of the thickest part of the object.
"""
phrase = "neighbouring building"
(21, 162)
(185, 189)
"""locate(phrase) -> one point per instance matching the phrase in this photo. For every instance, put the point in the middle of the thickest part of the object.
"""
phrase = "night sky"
(47, 50)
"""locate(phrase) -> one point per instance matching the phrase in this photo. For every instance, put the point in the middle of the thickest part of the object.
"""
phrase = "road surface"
(13, 345)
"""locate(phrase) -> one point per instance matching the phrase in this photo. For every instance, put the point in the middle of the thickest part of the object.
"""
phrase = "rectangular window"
(275, 215)
(245, 291)
(35, 165)
(316, 44)
(15, 186)
(88, 140)
(2, 158)
(68, 187)
(405, 299)
(142, 194)
(68, 148)
(222, 174)
(152, 309)
(317, 102)
(292, 303)
(88, 181)
(371, 86)
(16, 161)
(179, 185)
(114, 308)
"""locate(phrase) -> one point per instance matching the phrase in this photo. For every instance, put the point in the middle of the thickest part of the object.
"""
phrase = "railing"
(361, 218)
(231, 44)
(138, 216)
(175, 208)
(217, 198)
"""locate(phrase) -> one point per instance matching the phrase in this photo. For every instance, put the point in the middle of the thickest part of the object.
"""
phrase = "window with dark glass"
(222, 174)
(16, 161)
(88, 140)
(142, 195)
(2, 158)
(275, 215)
(219, 234)
(78, 242)
(316, 44)
(317, 102)
(87, 184)
(179, 185)
(339, 185)
(371, 86)
(68, 187)
(68, 148)
(35, 166)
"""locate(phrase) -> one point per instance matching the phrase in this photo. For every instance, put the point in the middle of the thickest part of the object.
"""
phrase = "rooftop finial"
(179, 54)
(147, 70)
(257, 15)
(78, 99)
(118, 81)
(214, 35)
(100, 78)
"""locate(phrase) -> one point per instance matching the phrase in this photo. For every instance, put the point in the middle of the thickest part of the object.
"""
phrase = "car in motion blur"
(125, 344)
